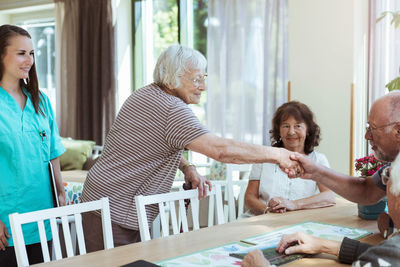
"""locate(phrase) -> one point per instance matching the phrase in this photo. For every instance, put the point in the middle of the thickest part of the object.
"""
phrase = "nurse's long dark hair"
(32, 84)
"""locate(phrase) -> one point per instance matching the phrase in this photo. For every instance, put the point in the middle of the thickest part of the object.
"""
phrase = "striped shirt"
(142, 152)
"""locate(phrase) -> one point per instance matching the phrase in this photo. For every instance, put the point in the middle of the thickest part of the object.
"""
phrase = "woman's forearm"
(323, 199)
(231, 151)
(255, 205)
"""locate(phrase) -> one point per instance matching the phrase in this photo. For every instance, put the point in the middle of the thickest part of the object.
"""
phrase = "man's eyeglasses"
(369, 128)
(385, 175)
(197, 80)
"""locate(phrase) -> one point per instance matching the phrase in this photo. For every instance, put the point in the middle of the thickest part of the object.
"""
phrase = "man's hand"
(255, 258)
(299, 243)
(197, 181)
(289, 163)
(3, 236)
(281, 205)
(310, 168)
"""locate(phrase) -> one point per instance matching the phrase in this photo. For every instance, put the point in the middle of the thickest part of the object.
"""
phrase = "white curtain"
(384, 48)
(247, 52)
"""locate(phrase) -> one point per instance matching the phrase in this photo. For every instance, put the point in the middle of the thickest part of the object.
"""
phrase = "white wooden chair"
(233, 194)
(235, 189)
(16, 220)
(166, 205)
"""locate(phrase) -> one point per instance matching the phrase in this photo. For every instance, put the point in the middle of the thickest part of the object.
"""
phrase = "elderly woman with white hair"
(143, 149)
(348, 251)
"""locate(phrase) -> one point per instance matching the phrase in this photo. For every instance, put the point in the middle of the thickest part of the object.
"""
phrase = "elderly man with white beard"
(352, 251)
(383, 134)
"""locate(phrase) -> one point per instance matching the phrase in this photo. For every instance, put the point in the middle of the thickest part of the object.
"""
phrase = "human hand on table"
(281, 205)
(299, 243)
(3, 236)
(197, 181)
(255, 258)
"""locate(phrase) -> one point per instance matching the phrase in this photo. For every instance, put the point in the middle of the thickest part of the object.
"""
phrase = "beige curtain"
(66, 61)
(85, 68)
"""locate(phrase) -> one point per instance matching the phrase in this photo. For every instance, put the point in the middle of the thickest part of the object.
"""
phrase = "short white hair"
(395, 176)
(174, 62)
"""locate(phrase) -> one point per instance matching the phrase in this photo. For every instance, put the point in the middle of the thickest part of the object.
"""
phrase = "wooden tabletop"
(77, 176)
(343, 213)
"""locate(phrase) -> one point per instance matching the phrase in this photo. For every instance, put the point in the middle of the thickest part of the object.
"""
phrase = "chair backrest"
(16, 220)
(166, 205)
(232, 190)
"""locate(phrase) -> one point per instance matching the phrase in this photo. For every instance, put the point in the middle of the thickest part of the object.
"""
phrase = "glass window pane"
(43, 38)
(200, 14)
(165, 25)
(156, 27)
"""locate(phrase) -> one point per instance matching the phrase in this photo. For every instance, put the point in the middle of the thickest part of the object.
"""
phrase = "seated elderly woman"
(348, 251)
(143, 149)
(270, 189)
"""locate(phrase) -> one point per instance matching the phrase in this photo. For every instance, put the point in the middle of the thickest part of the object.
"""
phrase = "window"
(39, 21)
(43, 38)
(160, 23)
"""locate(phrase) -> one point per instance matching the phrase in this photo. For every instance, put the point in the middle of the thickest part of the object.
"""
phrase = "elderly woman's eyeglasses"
(369, 128)
(197, 80)
(385, 175)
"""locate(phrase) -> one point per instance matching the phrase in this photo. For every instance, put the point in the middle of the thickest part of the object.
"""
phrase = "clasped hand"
(281, 205)
(289, 164)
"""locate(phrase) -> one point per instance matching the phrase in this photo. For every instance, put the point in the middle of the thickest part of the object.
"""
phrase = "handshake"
(295, 164)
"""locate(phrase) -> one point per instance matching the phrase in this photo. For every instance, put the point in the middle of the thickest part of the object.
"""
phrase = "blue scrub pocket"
(45, 144)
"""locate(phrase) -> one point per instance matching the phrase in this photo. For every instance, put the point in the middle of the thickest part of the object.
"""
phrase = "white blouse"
(276, 183)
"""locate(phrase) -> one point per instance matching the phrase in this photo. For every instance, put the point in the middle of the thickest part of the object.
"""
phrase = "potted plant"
(395, 83)
(366, 167)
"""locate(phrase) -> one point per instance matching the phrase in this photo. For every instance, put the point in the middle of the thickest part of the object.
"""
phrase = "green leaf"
(394, 84)
(383, 15)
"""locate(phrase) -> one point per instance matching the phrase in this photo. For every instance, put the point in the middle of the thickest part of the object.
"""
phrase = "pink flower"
(368, 165)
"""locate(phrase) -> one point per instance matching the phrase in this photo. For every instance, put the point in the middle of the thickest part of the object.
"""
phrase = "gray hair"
(174, 62)
(395, 176)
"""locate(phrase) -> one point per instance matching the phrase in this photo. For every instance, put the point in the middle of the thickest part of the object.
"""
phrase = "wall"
(4, 18)
(12, 11)
(322, 66)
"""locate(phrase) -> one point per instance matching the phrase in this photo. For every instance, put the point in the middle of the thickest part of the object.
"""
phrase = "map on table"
(322, 230)
(220, 256)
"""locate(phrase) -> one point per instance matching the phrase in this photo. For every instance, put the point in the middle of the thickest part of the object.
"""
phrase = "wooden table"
(343, 213)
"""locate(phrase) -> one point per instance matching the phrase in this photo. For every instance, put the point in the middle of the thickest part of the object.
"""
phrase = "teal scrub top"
(28, 141)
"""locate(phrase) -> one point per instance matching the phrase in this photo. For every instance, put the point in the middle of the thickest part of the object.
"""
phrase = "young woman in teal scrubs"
(29, 139)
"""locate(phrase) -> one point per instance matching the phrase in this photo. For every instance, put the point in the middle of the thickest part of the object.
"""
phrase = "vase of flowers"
(366, 167)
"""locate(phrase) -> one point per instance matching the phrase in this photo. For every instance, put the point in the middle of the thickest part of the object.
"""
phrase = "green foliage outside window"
(395, 83)
(165, 30)
(200, 10)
